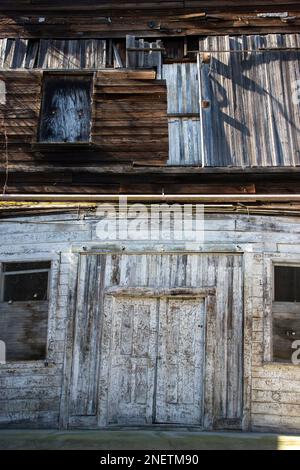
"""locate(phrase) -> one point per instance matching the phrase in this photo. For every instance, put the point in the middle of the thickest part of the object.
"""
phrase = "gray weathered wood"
(143, 290)
(24, 328)
(239, 249)
(181, 359)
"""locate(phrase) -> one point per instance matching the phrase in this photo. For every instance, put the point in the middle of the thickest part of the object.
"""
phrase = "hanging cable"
(6, 157)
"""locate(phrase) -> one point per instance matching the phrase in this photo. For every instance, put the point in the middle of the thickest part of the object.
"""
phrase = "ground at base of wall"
(144, 440)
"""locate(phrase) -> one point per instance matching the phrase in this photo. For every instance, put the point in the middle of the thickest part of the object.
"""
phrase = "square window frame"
(3, 275)
(44, 145)
(285, 260)
(51, 354)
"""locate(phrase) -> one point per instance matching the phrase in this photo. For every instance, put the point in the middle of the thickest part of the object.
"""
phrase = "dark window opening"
(66, 109)
(23, 282)
(287, 284)
(24, 310)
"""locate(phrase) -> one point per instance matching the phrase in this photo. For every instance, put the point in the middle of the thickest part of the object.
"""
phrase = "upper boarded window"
(286, 312)
(24, 310)
(66, 109)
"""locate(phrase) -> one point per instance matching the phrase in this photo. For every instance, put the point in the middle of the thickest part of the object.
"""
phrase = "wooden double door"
(152, 365)
(144, 347)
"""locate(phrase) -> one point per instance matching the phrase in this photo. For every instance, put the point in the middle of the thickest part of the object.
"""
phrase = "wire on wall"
(3, 127)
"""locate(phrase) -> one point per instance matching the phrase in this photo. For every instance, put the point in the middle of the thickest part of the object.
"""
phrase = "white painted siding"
(30, 392)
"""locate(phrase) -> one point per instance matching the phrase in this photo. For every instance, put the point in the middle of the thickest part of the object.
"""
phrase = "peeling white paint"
(2, 92)
(2, 352)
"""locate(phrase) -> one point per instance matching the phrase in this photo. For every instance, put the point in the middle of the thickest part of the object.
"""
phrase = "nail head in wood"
(205, 104)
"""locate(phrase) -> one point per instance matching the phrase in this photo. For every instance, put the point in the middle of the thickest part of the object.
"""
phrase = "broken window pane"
(66, 109)
(22, 283)
(287, 284)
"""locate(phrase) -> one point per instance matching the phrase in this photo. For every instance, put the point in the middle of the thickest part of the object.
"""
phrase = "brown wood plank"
(109, 19)
(141, 122)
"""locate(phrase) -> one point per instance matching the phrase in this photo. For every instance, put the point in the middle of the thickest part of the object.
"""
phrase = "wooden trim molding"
(179, 292)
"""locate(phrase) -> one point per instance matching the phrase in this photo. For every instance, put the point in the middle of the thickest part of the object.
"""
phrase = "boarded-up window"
(286, 312)
(24, 310)
(66, 109)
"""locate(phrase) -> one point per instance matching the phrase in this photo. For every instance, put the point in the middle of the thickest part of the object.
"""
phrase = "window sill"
(63, 146)
(12, 366)
(280, 364)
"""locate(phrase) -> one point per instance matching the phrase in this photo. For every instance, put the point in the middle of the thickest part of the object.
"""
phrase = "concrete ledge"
(144, 440)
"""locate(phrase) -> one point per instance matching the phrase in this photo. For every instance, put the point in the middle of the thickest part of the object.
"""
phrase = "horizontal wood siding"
(129, 124)
(274, 404)
(251, 119)
(144, 19)
(95, 5)
(30, 392)
(275, 398)
(130, 117)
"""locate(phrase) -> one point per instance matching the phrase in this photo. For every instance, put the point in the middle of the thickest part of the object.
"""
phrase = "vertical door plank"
(84, 382)
(128, 363)
(180, 361)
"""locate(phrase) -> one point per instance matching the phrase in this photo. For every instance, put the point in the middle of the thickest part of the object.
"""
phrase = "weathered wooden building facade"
(175, 102)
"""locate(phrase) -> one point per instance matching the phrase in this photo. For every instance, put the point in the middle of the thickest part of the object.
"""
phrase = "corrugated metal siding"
(52, 54)
(252, 120)
(183, 99)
